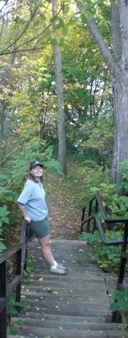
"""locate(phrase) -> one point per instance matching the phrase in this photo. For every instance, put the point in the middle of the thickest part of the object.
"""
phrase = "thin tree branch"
(8, 155)
(4, 5)
(101, 44)
(26, 42)
(22, 50)
(24, 30)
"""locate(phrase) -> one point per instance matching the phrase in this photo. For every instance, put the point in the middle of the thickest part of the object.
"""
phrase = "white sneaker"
(62, 267)
(58, 270)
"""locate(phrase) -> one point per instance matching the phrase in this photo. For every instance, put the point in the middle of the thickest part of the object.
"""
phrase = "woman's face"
(37, 172)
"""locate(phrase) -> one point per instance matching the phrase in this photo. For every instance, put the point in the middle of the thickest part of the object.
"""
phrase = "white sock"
(54, 266)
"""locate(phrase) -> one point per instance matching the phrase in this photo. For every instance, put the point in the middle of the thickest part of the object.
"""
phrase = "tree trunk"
(119, 26)
(60, 99)
(120, 100)
(118, 68)
(2, 136)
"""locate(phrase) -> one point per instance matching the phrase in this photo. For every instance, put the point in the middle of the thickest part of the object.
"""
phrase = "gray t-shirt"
(33, 198)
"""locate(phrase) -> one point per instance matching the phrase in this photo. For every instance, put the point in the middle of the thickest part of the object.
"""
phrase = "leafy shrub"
(121, 302)
(108, 257)
(122, 187)
(3, 219)
(116, 206)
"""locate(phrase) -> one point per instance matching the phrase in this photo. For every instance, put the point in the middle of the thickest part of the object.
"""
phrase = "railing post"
(96, 212)
(116, 316)
(5, 292)
(24, 237)
(82, 219)
(26, 241)
(123, 260)
(89, 214)
(3, 320)
(3, 333)
(19, 267)
(124, 246)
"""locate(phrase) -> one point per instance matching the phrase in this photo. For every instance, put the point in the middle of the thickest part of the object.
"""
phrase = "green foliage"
(81, 257)
(12, 310)
(96, 136)
(3, 215)
(3, 220)
(30, 269)
(12, 329)
(31, 110)
(27, 280)
(12, 304)
(2, 246)
(123, 186)
(115, 205)
(92, 176)
(121, 302)
(108, 257)
(31, 266)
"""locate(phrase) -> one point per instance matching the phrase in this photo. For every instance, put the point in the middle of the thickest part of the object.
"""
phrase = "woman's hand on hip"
(28, 219)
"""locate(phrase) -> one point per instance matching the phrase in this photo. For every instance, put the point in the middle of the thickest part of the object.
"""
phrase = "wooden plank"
(75, 305)
(56, 324)
(71, 333)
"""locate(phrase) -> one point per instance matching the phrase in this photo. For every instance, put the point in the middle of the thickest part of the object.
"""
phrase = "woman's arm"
(23, 212)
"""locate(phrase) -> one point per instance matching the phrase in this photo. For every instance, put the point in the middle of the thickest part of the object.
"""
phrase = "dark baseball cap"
(33, 164)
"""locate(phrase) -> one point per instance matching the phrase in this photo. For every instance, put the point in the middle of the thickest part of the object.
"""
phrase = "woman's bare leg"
(46, 250)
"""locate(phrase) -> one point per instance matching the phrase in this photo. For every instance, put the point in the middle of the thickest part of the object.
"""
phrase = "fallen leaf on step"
(55, 292)
(40, 279)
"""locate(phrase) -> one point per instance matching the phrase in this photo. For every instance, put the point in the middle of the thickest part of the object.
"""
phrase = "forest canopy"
(95, 101)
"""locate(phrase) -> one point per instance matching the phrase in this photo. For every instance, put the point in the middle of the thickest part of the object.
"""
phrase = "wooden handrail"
(20, 250)
(97, 222)
(124, 241)
(10, 252)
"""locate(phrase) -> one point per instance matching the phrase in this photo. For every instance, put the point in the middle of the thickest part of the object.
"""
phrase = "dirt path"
(61, 225)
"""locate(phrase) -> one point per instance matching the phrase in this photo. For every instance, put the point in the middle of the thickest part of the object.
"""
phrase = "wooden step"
(56, 323)
(58, 317)
(70, 333)
(70, 306)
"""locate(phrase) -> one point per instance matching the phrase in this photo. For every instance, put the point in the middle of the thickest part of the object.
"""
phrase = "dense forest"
(63, 100)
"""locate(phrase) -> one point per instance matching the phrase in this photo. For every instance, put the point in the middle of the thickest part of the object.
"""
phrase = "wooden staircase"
(72, 306)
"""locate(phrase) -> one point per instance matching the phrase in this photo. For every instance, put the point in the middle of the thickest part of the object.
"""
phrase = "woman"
(33, 208)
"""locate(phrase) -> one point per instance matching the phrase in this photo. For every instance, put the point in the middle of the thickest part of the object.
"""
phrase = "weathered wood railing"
(20, 250)
(97, 205)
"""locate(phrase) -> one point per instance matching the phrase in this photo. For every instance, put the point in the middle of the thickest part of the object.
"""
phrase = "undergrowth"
(14, 307)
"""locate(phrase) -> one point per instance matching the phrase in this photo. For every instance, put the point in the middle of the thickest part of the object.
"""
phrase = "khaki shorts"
(40, 228)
